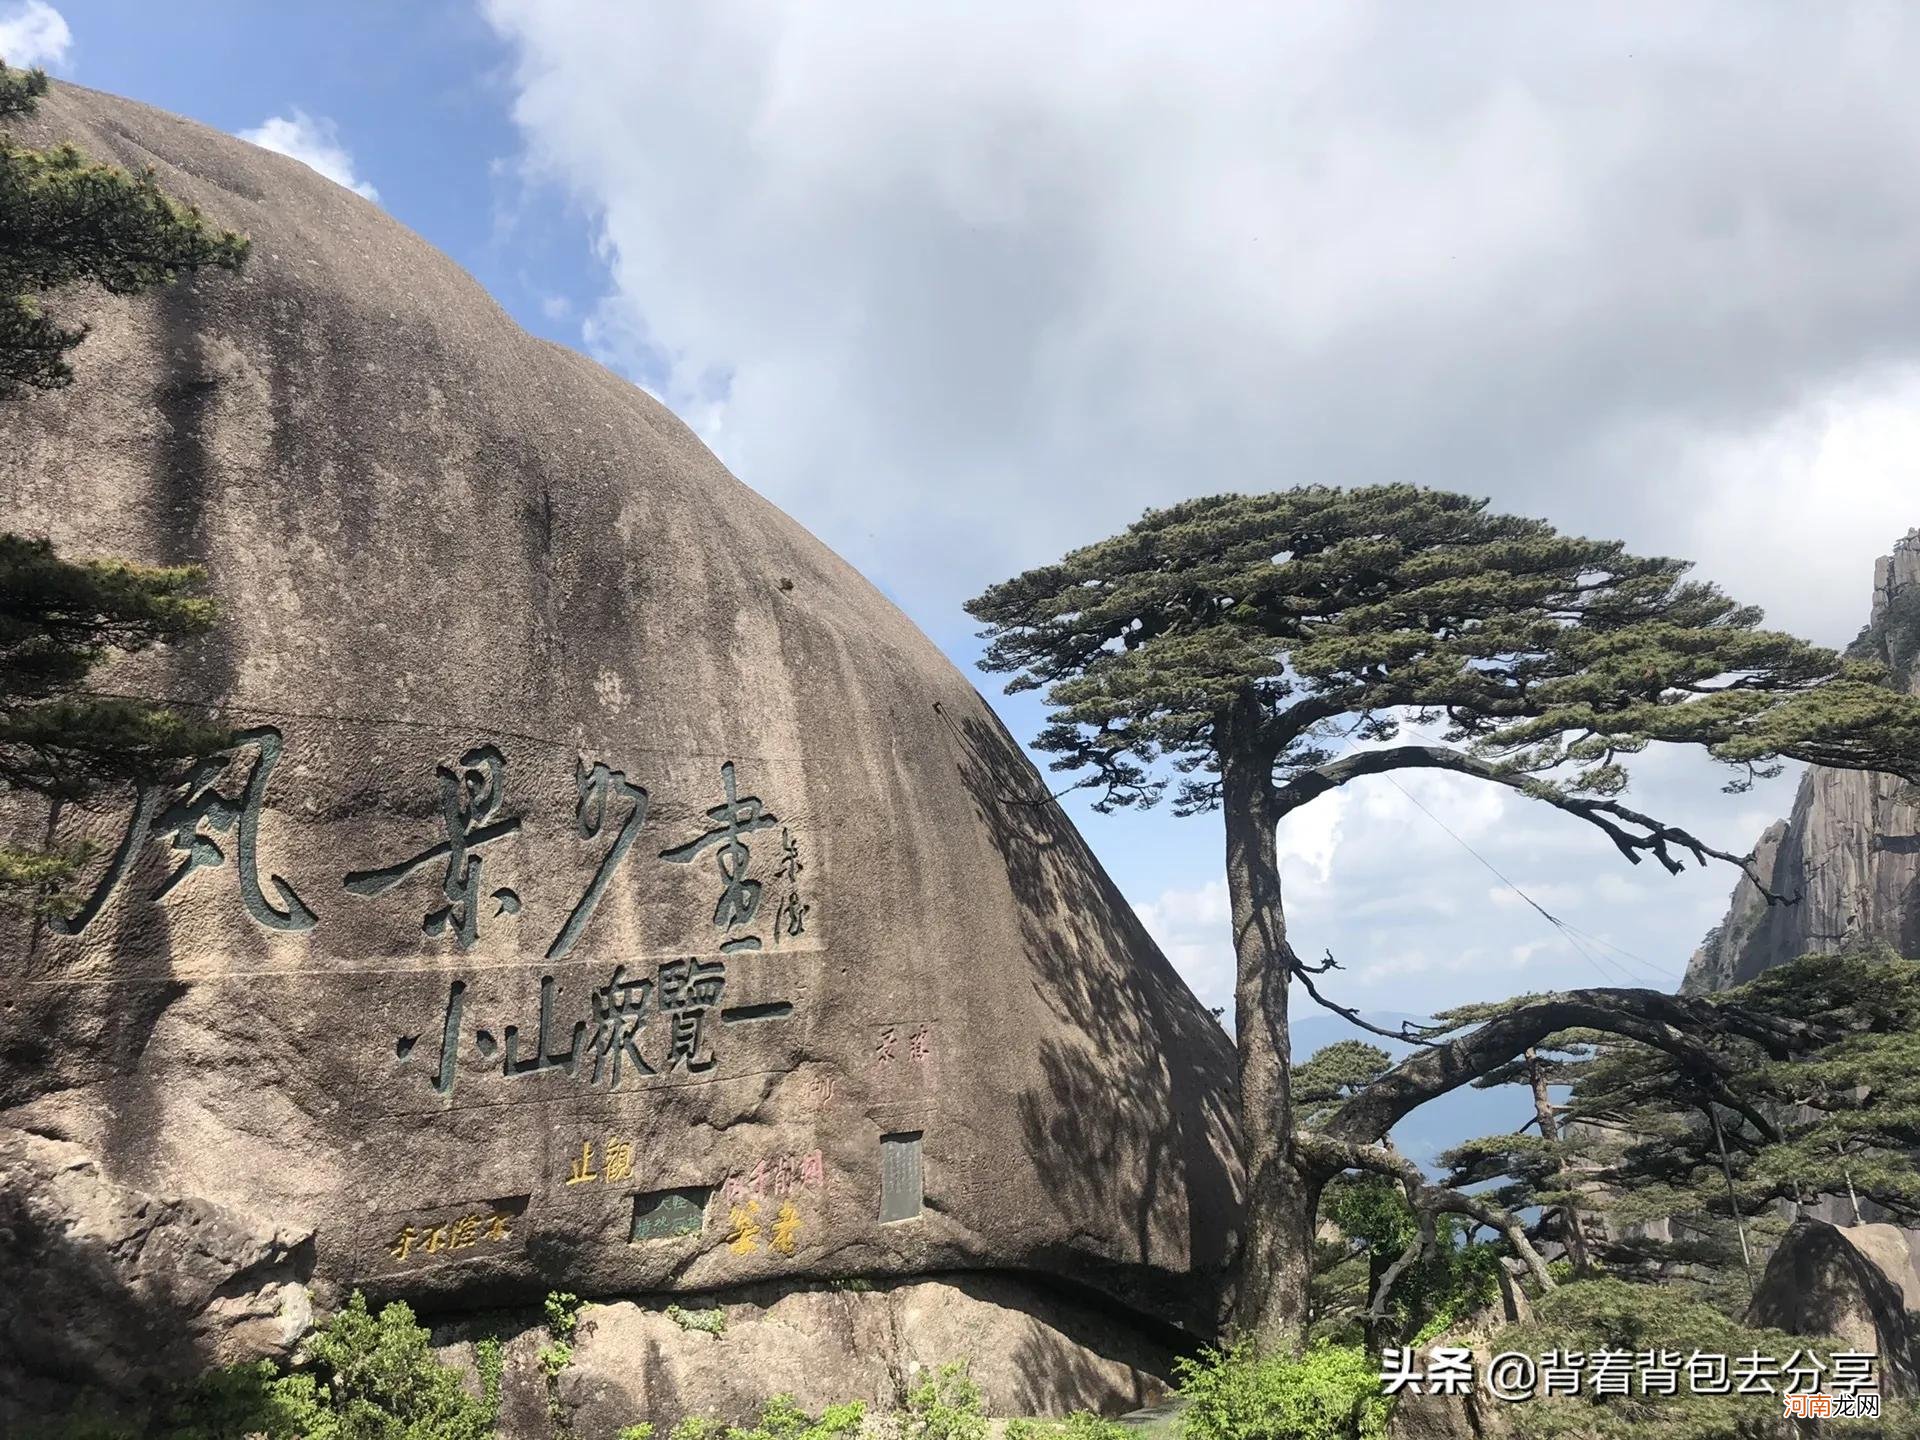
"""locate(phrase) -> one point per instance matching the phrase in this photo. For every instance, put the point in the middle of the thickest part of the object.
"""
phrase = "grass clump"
(1330, 1393)
(708, 1322)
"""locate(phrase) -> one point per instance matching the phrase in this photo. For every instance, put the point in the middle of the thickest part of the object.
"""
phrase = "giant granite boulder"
(1849, 855)
(1855, 1283)
(607, 888)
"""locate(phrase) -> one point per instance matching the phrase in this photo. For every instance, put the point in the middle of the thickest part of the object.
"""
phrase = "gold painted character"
(619, 1161)
(436, 1240)
(786, 1229)
(464, 1232)
(498, 1229)
(403, 1243)
(583, 1171)
(745, 1226)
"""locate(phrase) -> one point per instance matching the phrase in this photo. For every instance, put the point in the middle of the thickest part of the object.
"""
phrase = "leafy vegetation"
(1602, 1315)
(562, 1311)
(1081, 1425)
(945, 1405)
(366, 1377)
(709, 1322)
(1328, 1392)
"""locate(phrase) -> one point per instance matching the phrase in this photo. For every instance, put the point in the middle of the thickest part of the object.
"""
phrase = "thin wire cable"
(1607, 970)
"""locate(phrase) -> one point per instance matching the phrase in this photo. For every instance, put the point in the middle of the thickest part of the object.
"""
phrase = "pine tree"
(66, 221)
(1272, 648)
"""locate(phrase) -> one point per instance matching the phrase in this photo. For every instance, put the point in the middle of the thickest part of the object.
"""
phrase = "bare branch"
(1409, 1032)
(1633, 834)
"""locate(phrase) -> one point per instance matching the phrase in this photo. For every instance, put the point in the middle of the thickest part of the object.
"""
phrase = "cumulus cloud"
(1069, 260)
(965, 285)
(314, 141)
(33, 34)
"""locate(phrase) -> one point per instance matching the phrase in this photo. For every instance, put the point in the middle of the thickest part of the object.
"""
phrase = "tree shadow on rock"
(1135, 1119)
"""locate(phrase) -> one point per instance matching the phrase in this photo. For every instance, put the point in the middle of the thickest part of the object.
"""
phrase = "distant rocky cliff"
(1851, 848)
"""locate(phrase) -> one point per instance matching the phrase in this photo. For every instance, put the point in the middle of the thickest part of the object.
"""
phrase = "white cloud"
(1193, 927)
(965, 287)
(315, 143)
(33, 34)
(1069, 259)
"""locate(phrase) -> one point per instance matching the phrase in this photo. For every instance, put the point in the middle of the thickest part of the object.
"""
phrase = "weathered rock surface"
(610, 890)
(1030, 1352)
(1857, 1283)
(1851, 848)
(109, 1289)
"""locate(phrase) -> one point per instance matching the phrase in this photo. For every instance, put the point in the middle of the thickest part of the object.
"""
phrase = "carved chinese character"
(744, 1228)
(791, 917)
(920, 1045)
(583, 1171)
(471, 799)
(464, 1232)
(790, 866)
(619, 1161)
(544, 1057)
(786, 1228)
(883, 1051)
(688, 989)
(403, 1243)
(734, 818)
(590, 815)
(497, 1227)
(619, 1010)
(200, 806)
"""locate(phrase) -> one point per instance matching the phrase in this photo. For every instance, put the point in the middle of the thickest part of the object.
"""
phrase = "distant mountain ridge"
(1851, 847)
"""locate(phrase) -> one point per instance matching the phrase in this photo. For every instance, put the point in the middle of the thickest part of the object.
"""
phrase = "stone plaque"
(902, 1185)
(668, 1214)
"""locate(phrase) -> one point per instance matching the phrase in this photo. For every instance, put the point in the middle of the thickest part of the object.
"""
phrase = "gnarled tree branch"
(1633, 834)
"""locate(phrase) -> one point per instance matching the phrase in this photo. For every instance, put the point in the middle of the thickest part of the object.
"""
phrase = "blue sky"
(962, 285)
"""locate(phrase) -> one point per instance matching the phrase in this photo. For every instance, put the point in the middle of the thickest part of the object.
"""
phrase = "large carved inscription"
(465, 885)
(218, 805)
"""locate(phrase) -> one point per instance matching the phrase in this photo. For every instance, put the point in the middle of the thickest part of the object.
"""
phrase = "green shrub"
(1081, 1425)
(946, 1405)
(709, 1322)
(369, 1378)
(1330, 1393)
(563, 1314)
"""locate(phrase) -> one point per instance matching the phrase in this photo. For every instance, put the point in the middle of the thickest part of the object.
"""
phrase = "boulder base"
(1030, 1351)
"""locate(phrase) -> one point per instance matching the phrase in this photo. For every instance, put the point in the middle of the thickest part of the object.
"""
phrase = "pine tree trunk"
(1277, 1247)
(1571, 1234)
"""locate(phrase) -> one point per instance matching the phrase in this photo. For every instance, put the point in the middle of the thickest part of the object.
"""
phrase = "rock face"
(608, 889)
(1851, 848)
(120, 1287)
(1857, 1283)
(1029, 1352)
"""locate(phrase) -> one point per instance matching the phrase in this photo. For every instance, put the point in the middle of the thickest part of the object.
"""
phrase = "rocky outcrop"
(1030, 1351)
(109, 1289)
(1851, 848)
(1856, 1283)
(608, 890)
